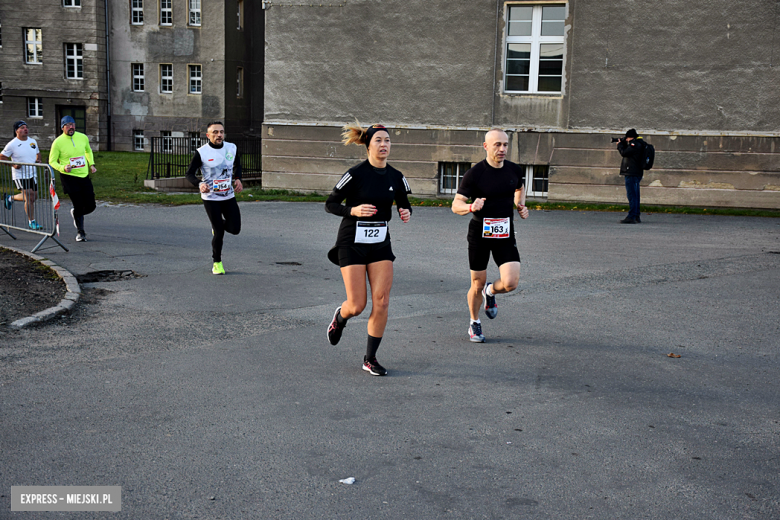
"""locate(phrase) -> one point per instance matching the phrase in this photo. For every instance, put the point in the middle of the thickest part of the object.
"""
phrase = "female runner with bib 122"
(363, 246)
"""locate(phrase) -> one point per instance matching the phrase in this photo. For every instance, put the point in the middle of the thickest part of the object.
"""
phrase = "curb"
(66, 304)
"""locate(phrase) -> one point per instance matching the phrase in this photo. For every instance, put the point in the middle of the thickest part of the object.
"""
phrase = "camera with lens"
(617, 139)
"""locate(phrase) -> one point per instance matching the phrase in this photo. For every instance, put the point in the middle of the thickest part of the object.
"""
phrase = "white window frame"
(196, 79)
(460, 170)
(167, 141)
(139, 78)
(166, 13)
(166, 67)
(71, 3)
(35, 108)
(138, 140)
(136, 12)
(239, 14)
(240, 82)
(195, 15)
(74, 53)
(535, 40)
(529, 181)
(37, 53)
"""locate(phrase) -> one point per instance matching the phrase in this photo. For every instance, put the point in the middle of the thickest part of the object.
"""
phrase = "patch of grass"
(120, 178)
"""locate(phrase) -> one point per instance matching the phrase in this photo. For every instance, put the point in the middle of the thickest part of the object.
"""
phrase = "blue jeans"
(632, 191)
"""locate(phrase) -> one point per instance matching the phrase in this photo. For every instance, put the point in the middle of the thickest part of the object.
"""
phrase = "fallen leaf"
(673, 355)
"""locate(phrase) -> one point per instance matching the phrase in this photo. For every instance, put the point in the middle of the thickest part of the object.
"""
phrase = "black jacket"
(633, 153)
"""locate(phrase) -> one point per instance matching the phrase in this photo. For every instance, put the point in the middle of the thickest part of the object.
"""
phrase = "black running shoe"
(334, 329)
(373, 367)
(491, 309)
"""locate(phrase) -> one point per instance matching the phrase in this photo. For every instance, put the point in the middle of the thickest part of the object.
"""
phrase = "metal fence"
(171, 156)
(39, 202)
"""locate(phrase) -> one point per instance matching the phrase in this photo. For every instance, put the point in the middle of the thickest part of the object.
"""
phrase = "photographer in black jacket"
(632, 148)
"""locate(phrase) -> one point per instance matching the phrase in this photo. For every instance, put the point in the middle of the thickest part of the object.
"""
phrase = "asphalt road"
(219, 397)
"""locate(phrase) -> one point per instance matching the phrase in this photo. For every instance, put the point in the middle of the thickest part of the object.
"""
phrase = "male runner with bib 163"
(494, 186)
(363, 245)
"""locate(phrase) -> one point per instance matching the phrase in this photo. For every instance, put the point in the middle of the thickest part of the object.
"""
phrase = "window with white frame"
(450, 175)
(195, 13)
(74, 61)
(534, 48)
(167, 141)
(139, 81)
(166, 79)
(240, 82)
(33, 45)
(240, 14)
(195, 141)
(138, 140)
(34, 107)
(166, 12)
(137, 12)
(196, 79)
(537, 180)
(71, 3)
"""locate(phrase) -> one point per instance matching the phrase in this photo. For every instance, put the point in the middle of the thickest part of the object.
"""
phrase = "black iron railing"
(171, 156)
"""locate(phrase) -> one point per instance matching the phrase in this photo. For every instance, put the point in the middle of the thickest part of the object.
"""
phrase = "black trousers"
(81, 193)
(224, 216)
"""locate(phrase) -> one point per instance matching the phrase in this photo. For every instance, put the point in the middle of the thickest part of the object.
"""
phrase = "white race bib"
(370, 232)
(221, 186)
(78, 162)
(495, 227)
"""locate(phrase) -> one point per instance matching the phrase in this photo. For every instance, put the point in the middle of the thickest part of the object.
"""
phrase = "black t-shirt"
(365, 184)
(497, 186)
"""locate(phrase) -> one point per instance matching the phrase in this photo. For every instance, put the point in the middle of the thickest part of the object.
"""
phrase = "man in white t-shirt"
(23, 149)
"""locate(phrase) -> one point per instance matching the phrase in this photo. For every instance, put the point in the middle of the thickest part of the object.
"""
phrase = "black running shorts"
(26, 184)
(504, 250)
(364, 254)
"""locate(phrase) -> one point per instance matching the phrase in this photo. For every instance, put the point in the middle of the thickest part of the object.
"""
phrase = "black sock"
(372, 345)
(340, 319)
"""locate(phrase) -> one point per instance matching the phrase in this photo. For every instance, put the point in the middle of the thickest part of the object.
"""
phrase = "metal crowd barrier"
(46, 204)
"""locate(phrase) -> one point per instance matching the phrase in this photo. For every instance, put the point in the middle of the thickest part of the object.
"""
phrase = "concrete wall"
(688, 74)
(60, 25)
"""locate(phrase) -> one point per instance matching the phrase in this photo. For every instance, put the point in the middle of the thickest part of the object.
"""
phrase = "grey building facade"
(177, 65)
(697, 79)
(53, 63)
(128, 70)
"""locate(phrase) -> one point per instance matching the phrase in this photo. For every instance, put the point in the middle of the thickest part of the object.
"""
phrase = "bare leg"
(478, 279)
(509, 278)
(380, 276)
(355, 284)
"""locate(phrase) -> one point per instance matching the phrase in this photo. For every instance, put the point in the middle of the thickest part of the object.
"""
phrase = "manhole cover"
(289, 263)
(107, 276)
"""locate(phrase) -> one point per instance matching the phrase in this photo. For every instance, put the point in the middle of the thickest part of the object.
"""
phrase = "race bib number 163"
(495, 227)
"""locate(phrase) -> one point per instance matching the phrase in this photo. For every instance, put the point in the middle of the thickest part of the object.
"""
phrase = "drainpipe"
(108, 77)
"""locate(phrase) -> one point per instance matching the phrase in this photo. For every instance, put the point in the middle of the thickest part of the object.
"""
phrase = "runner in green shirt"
(71, 156)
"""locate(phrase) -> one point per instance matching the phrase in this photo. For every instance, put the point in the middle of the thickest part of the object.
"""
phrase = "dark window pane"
(550, 68)
(518, 50)
(551, 51)
(517, 83)
(549, 84)
(518, 67)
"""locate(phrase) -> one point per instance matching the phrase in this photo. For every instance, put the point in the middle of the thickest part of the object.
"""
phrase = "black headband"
(371, 131)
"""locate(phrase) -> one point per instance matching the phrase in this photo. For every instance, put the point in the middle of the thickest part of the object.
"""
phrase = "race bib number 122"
(370, 232)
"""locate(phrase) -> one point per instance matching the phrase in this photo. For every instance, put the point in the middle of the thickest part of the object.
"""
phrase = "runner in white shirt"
(23, 149)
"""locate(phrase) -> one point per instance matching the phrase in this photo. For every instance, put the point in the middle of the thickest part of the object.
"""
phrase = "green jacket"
(75, 150)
